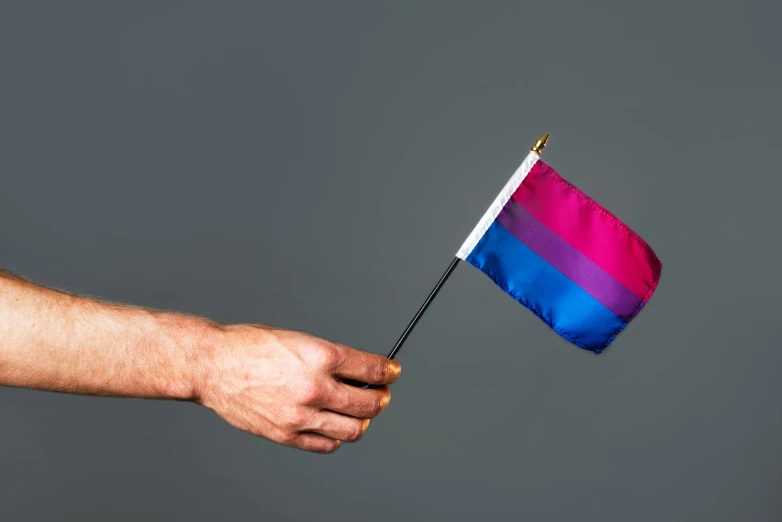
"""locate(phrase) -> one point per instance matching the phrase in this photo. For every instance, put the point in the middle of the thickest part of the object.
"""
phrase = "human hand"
(288, 386)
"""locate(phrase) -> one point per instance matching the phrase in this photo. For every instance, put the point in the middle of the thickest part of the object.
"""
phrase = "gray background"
(315, 165)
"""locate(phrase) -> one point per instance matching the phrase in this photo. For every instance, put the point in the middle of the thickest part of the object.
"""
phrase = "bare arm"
(283, 385)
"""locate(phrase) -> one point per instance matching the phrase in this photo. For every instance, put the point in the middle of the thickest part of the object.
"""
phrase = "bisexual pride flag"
(563, 256)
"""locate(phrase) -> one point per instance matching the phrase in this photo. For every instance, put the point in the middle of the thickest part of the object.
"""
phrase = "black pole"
(423, 308)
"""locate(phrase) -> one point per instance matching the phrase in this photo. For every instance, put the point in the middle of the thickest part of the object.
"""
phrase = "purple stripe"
(570, 261)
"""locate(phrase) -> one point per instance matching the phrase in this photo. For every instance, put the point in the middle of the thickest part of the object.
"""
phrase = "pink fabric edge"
(634, 279)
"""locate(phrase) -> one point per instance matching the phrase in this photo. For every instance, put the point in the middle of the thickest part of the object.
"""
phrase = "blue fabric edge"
(596, 350)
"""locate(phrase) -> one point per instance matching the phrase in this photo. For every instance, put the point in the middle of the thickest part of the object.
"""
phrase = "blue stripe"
(529, 279)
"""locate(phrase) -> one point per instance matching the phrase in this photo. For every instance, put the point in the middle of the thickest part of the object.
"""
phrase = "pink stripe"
(590, 228)
(569, 261)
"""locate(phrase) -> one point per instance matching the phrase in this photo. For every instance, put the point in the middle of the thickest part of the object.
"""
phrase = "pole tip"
(540, 144)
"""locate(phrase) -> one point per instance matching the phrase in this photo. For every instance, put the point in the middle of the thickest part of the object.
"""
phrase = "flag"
(563, 256)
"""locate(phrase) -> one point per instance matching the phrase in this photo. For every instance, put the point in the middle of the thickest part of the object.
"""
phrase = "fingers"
(326, 432)
(293, 390)
(339, 427)
(366, 367)
(315, 442)
(357, 402)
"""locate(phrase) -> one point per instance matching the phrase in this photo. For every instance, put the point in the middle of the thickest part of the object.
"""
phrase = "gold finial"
(540, 144)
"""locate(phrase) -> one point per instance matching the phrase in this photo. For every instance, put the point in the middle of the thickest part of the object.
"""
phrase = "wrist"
(207, 339)
(192, 355)
(221, 351)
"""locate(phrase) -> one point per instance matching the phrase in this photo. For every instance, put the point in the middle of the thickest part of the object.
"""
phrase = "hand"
(288, 386)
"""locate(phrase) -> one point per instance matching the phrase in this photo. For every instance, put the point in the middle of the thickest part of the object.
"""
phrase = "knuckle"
(325, 355)
(310, 392)
(298, 418)
(375, 407)
(359, 430)
(380, 370)
(286, 437)
(382, 402)
(354, 434)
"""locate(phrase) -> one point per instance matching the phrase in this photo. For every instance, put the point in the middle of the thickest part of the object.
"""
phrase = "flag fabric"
(563, 256)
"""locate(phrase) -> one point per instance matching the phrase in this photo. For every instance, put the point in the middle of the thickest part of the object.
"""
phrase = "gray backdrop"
(315, 165)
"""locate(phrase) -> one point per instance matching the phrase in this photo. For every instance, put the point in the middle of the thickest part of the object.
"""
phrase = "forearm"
(54, 341)
(286, 386)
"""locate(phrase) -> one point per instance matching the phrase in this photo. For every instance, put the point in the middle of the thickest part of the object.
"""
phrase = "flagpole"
(536, 148)
(423, 308)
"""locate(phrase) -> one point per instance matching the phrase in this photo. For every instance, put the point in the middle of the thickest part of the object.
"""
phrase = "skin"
(278, 384)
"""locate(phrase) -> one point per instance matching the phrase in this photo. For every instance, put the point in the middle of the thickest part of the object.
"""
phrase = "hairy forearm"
(283, 385)
(54, 341)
